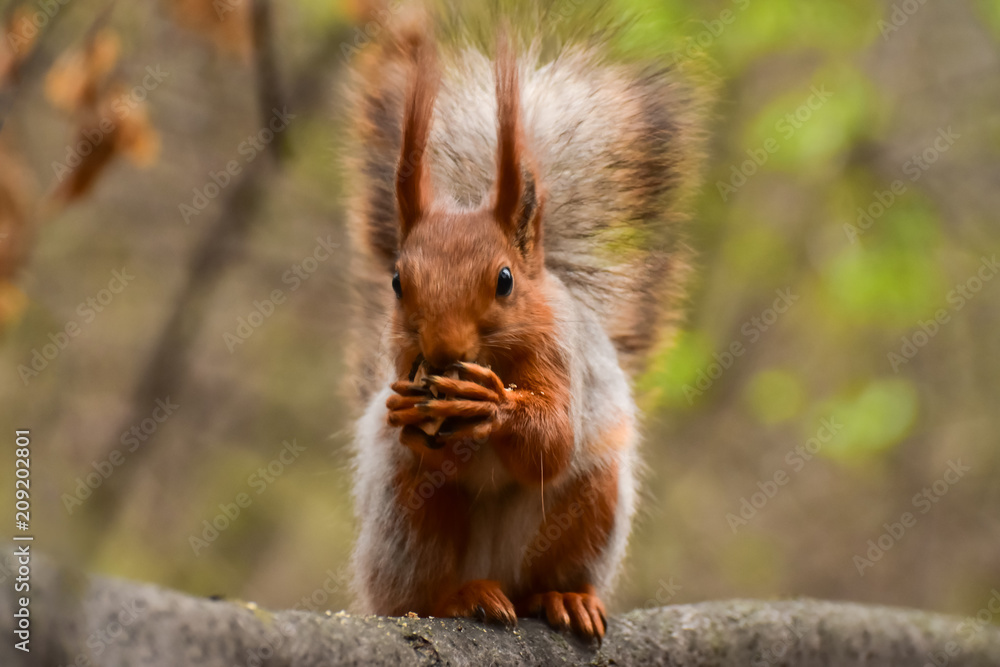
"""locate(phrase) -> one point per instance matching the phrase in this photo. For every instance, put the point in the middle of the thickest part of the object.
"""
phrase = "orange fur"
(412, 180)
(573, 534)
(480, 597)
(442, 523)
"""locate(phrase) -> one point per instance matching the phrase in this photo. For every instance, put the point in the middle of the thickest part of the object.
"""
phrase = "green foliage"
(675, 369)
(990, 9)
(875, 419)
(814, 123)
(752, 563)
(775, 396)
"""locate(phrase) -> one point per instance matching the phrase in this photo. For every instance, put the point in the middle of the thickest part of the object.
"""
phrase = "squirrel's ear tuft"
(516, 203)
(413, 189)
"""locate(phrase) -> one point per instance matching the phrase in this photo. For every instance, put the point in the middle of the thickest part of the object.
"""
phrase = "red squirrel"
(515, 254)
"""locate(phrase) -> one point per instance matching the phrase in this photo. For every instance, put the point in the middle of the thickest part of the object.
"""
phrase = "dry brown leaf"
(137, 139)
(19, 38)
(12, 304)
(66, 83)
(16, 190)
(101, 136)
(226, 23)
(133, 135)
(16, 193)
(363, 11)
(103, 53)
(81, 178)
(77, 77)
(80, 84)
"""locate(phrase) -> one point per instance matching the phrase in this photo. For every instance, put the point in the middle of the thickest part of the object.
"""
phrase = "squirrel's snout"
(442, 348)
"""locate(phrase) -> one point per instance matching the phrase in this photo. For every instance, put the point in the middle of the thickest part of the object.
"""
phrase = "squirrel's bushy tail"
(616, 145)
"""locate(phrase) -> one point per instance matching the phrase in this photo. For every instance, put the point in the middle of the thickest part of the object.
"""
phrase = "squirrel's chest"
(484, 473)
(501, 527)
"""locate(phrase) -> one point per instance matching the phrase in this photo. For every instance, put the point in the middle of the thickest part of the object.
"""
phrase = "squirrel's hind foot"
(482, 599)
(584, 613)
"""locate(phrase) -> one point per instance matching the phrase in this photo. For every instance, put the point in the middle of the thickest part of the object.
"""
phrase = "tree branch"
(77, 620)
(269, 95)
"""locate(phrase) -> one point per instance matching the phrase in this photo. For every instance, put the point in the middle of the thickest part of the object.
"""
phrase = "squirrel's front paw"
(473, 407)
(403, 404)
(482, 599)
(417, 427)
(484, 378)
(478, 398)
(437, 409)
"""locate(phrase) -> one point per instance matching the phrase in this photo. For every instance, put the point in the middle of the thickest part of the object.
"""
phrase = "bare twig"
(269, 96)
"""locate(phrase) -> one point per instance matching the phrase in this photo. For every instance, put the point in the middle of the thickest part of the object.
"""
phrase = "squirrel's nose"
(445, 346)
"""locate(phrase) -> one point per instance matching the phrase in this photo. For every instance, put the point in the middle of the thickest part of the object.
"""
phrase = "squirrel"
(514, 224)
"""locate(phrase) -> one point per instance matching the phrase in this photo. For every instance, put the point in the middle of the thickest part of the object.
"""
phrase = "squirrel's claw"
(582, 612)
(461, 389)
(405, 410)
(478, 431)
(406, 417)
(456, 408)
(402, 402)
(482, 599)
(483, 376)
(409, 388)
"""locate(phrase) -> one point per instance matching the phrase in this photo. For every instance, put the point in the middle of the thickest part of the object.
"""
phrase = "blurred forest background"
(845, 302)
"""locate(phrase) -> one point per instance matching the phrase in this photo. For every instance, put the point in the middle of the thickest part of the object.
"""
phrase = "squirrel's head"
(467, 282)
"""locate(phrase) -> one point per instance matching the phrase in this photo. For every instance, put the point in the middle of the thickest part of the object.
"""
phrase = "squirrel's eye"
(505, 282)
(397, 287)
